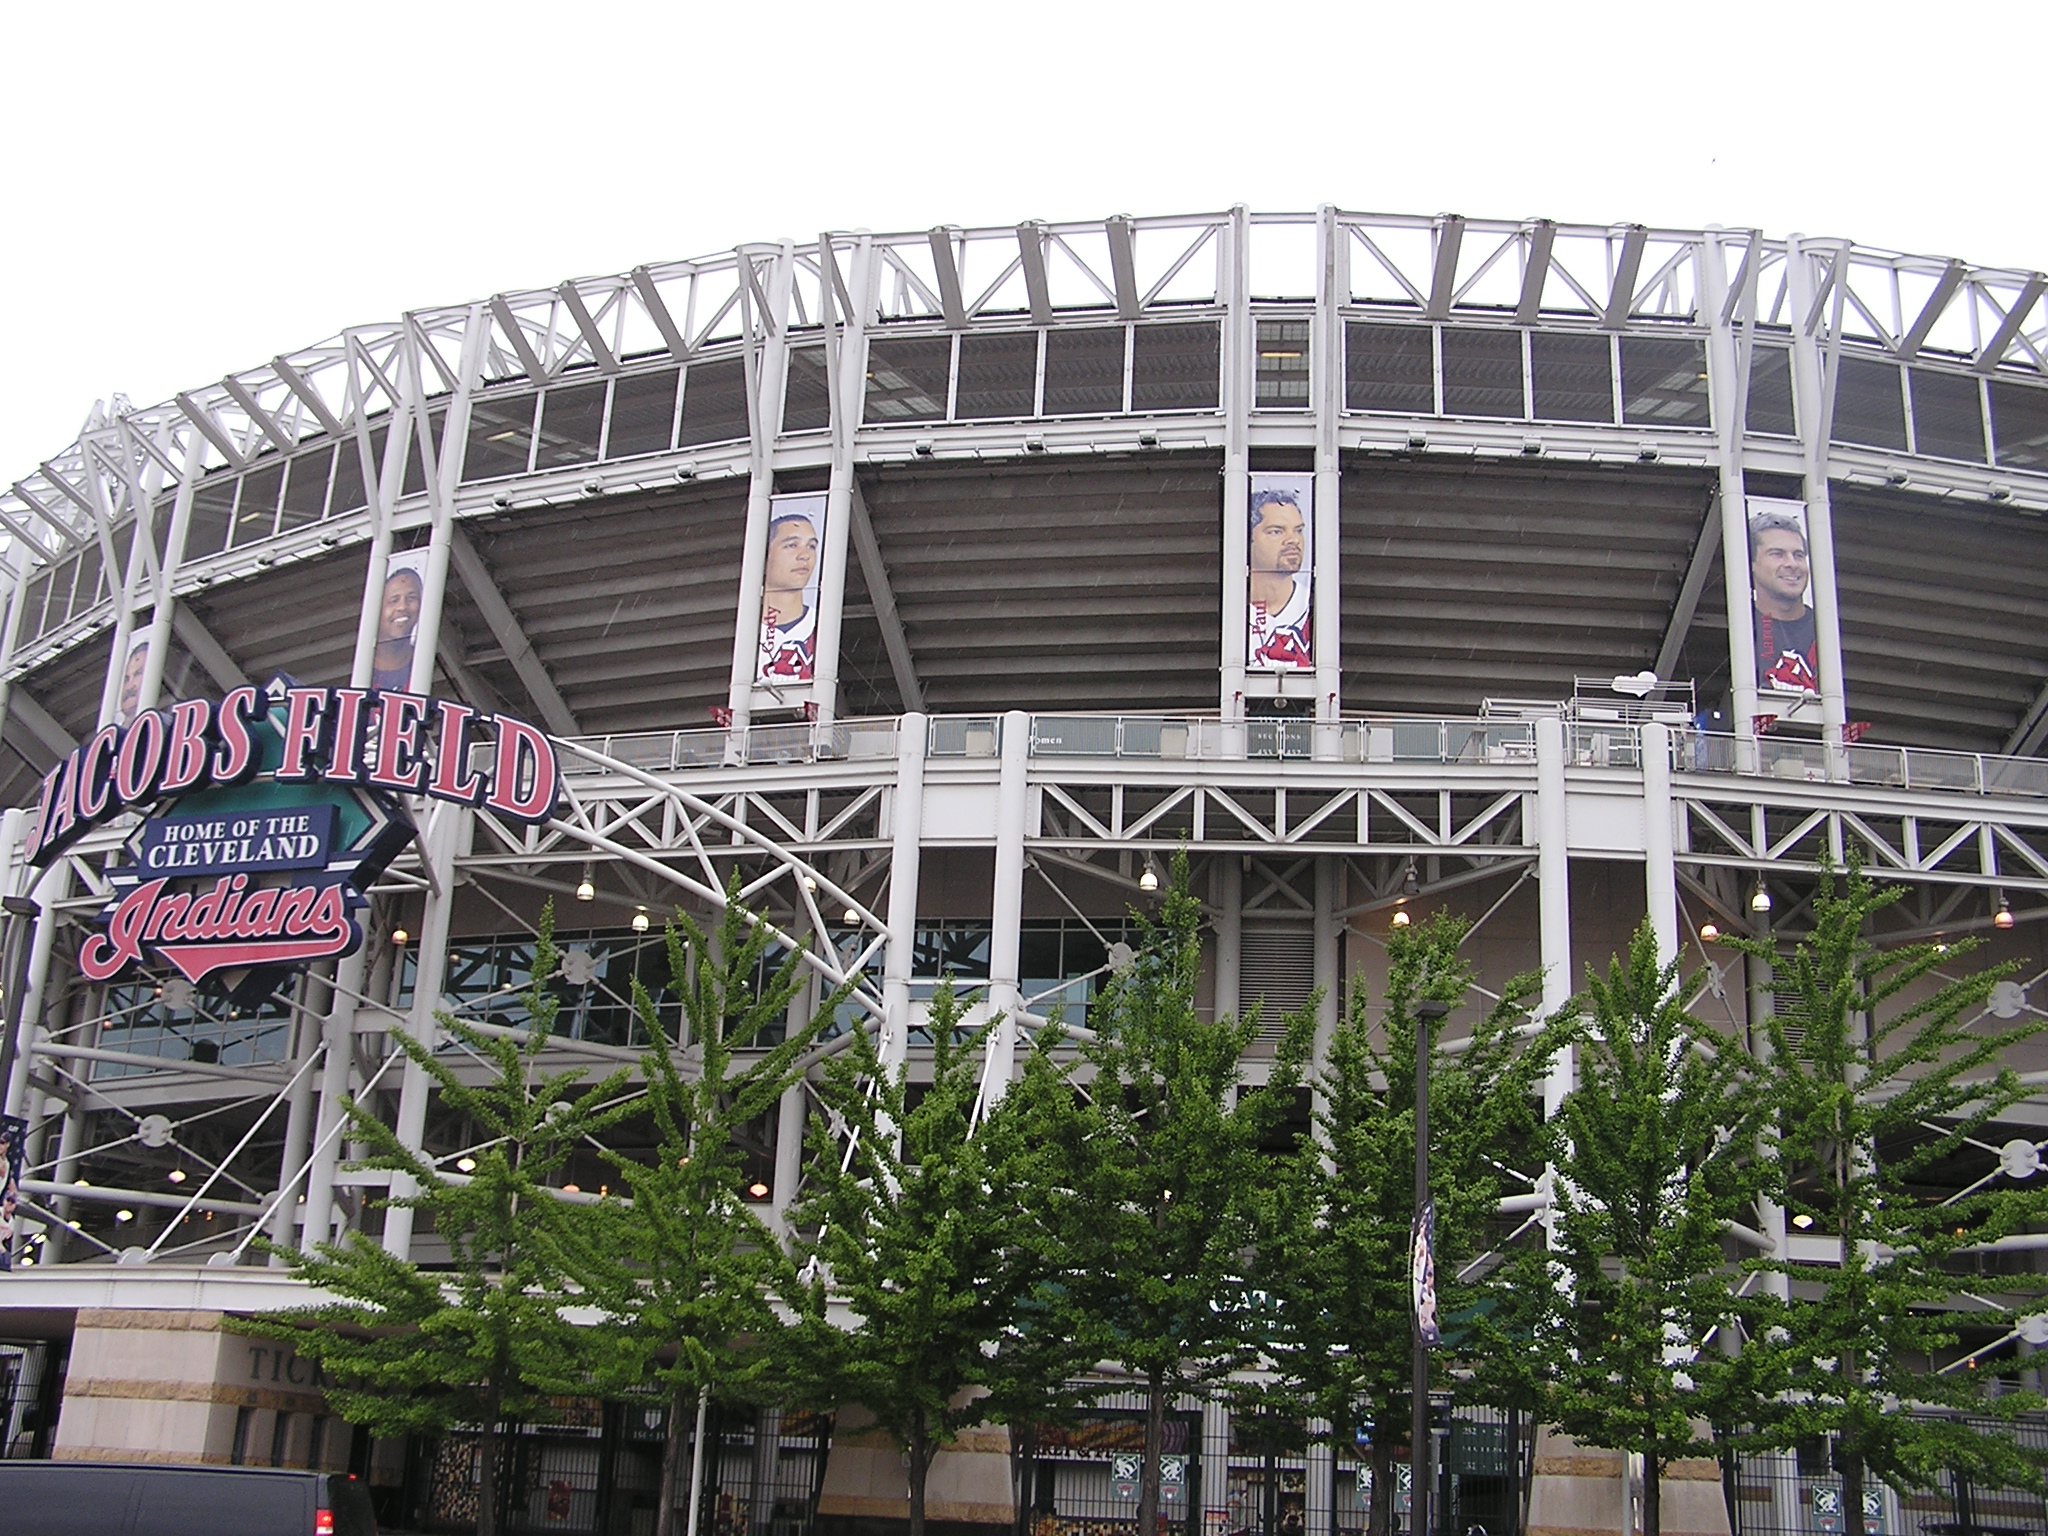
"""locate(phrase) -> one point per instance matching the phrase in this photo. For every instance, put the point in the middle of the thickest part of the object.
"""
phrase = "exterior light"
(465, 1165)
(176, 1175)
(1760, 901)
(1411, 882)
(1802, 1221)
(572, 1189)
(2003, 917)
(399, 936)
(1400, 918)
(124, 1215)
(1148, 879)
(758, 1190)
(1709, 933)
(852, 917)
(811, 884)
(586, 888)
(640, 921)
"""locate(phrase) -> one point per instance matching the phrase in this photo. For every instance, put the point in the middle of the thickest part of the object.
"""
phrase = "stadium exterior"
(1033, 662)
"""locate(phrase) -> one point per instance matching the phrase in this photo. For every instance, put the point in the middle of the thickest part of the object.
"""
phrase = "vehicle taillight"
(323, 1522)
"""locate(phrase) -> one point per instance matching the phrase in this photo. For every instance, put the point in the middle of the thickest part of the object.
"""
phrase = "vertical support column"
(445, 835)
(10, 635)
(766, 352)
(1319, 1496)
(1328, 962)
(163, 604)
(1660, 871)
(905, 847)
(313, 1001)
(1234, 283)
(791, 1109)
(141, 553)
(1813, 395)
(441, 488)
(1227, 890)
(52, 888)
(1728, 392)
(1783, 1466)
(1215, 1465)
(337, 1038)
(1326, 364)
(1553, 895)
(846, 388)
(1005, 995)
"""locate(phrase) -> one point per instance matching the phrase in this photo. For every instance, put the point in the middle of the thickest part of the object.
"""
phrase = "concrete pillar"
(1005, 995)
(1660, 872)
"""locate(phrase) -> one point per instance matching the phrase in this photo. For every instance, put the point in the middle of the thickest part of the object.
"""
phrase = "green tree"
(685, 1272)
(1655, 1154)
(1163, 1158)
(484, 1340)
(1895, 1072)
(1334, 1245)
(924, 1220)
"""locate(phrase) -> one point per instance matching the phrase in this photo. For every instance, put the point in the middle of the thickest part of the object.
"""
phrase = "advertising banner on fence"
(789, 589)
(1781, 598)
(1280, 572)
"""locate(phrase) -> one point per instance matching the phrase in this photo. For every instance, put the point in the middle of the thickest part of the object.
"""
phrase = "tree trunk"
(1653, 1496)
(920, 1464)
(1148, 1468)
(671, 1468)
(1379, 1520)
(1850, 1461)
(493, 1449)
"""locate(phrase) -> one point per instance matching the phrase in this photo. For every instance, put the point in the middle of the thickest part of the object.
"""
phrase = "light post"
(1422, 1278)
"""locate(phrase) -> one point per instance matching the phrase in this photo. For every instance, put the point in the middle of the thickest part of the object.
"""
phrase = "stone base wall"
(1580, 1489)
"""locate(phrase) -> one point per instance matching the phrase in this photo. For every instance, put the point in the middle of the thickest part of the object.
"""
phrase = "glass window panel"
(500, 437)
(1571, 376)
(305, 487)
(1664, 381)
(643, 414)
(1869, 407)
(998, 375)
(256, 512)
(806, 396)
(1948, 415)
(907, 378)
(715, 402)
(1176, 367)
(415, 466)
(213, 510)
(1389, 368)
(1482, 373)
(33, 615)
(2019, 422)
(1281, 378)
(1770, 392)
(1084, 372)
(571, 422)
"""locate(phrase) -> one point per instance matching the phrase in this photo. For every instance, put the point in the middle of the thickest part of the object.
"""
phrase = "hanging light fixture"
(853, 917)
(1148, 877)
(1400, 919)
(1709, 933)
(1760, 898)
(399, 936)
(2003, 917)
(586, 889)
(640, 921)
(1411, 882)
(758, 1190)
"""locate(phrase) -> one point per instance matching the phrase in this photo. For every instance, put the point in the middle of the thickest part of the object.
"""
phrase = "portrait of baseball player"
(1281, 575)
(789, 590)
(398, 617)
(131, 681)
(1781, 580)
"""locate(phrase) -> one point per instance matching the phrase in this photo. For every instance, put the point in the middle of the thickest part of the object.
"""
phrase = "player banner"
(398, 620)
(1781, 598)
(789, 589)
(1280, 574)
(13, 1143)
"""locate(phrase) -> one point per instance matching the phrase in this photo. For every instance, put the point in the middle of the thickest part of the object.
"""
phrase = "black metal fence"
(31, 1372)
(1800, 1494)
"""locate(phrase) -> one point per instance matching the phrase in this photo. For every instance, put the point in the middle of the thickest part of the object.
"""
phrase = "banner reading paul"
(1280, 575)
(788, 651)
(1781, 599)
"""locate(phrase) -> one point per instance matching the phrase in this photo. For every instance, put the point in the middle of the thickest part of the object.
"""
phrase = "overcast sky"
(191, 189)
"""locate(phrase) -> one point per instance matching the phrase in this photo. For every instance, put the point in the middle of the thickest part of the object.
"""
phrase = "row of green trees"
(1132, 1201)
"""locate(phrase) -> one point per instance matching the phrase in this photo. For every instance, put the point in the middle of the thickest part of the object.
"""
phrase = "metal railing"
(1195, 738)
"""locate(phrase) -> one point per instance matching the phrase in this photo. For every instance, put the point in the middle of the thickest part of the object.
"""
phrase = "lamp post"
(1428, 1014)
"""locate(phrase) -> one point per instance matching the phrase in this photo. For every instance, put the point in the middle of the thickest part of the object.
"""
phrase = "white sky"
(192, 189)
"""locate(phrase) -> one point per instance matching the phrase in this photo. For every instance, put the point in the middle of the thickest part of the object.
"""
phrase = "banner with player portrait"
(1280, 573)
(789, 589)
(398, 619)
(1781, 598)
(131, 679)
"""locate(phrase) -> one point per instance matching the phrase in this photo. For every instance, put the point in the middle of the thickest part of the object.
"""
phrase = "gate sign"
(277, 812)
